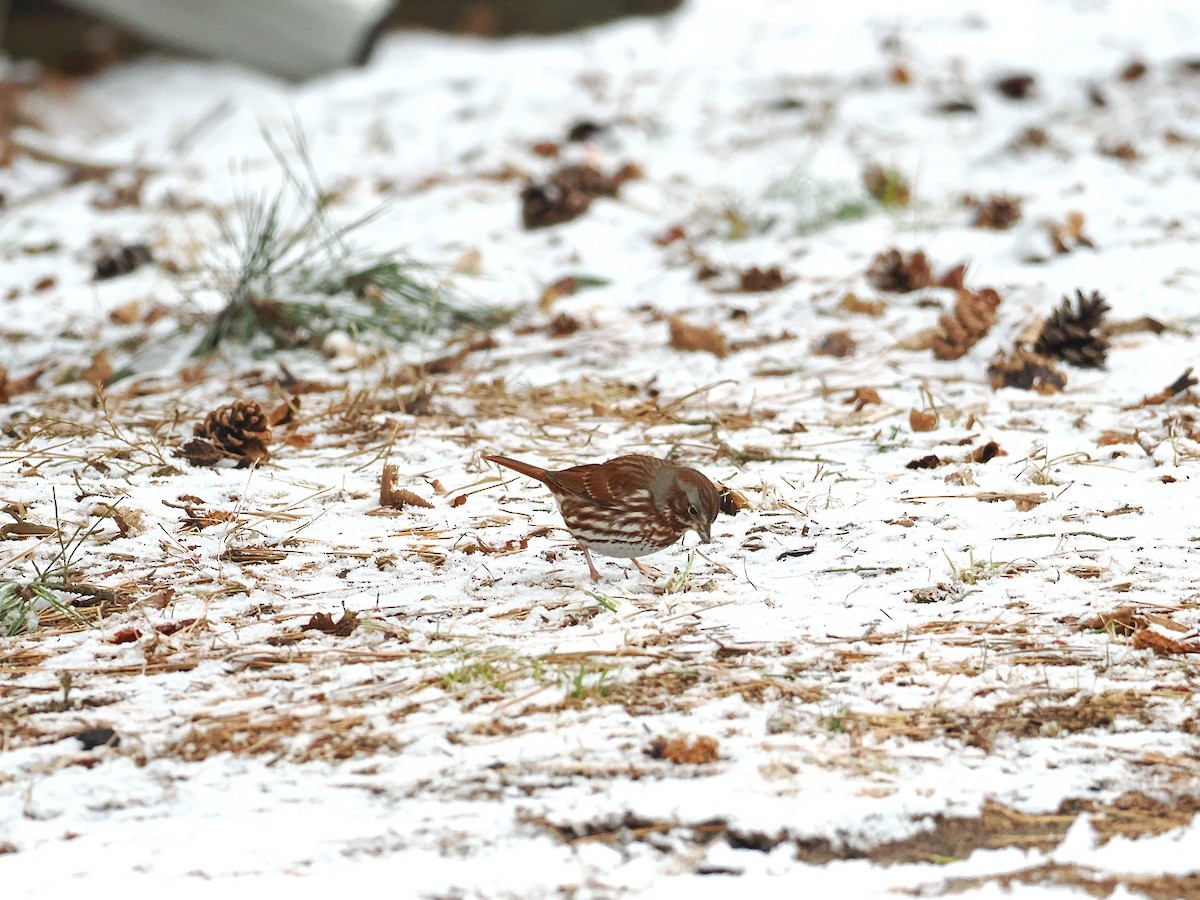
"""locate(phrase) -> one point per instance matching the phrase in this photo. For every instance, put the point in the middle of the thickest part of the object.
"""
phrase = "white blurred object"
(293, 38)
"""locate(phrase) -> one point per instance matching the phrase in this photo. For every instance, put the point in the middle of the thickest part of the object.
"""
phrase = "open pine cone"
(239, 430)
(1073, 335)
(893, 272)
(973, 317)
(1022, 368)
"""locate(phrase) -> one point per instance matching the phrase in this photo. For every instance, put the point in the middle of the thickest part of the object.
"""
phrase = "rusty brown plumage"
(629, 506)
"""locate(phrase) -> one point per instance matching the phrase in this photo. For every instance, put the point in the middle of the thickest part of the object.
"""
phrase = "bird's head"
(693, 501)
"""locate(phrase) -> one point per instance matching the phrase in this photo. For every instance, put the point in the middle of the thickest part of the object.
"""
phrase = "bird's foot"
(591, 565)
(646, 570)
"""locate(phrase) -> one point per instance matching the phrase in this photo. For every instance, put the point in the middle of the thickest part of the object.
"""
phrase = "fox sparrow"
(629, 506)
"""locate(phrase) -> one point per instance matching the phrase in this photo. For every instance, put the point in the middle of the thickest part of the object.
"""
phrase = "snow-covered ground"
(878, 680)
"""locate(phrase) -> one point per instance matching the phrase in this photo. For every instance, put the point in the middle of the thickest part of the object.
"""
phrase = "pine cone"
(731, 501)
(1073, 335)
(999, 212)
(891, 271)
(240, 430)
(569, 192)
(974, 316)
(1026, 370)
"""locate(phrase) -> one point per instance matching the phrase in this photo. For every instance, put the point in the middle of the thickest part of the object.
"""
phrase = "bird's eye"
(692, 511)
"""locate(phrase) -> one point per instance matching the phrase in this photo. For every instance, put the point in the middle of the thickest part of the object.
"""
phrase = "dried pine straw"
(1020, 717)
(942, 838)
(295, 737)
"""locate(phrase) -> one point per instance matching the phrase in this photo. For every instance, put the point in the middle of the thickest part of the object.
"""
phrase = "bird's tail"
(536, 472)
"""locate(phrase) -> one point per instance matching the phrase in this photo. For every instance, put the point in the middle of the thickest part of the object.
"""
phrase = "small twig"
(703, 389)
(1063, 534)
(82, 169)
(712, 562)
(862, 570)
(1178, 386)
(98, 592)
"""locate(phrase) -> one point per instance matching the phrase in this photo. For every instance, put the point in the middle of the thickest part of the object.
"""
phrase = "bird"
(629, 506)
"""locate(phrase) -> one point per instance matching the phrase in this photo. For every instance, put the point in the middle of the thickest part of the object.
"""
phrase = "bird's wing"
(583, 481)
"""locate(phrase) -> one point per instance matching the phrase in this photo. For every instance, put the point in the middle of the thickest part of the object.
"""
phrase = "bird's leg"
(591, 565)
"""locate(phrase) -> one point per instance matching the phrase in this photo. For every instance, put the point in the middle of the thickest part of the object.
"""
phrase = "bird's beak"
(705, 532)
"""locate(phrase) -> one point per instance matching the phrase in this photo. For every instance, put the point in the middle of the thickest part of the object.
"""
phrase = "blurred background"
(86, 36)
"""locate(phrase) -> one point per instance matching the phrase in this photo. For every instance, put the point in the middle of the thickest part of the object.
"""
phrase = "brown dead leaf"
(954, 277)
(569, 192)
(200, 452)
(563, 325)
(922, 420)
(1109, 438)
(986, 452)
(284, 413)
(755, 280)
(100, 372)
(10, 387)
(838, 344)
(697, 338)
(160, 599)
(508, 547)
(1124, 151)
(15, 531)
(1124, 620)
(862, 397)
(169, 628)
(1148, 639)
(930, 461)
(1068, 234)
(1178, 386)
(852, 303)
(1024, 501)
(452, 362)
(681, 751)
(294, 386)
(470, 262)
(324, 623)
(297, 440)
(670, 236)
(563, 287)
(127, 313)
